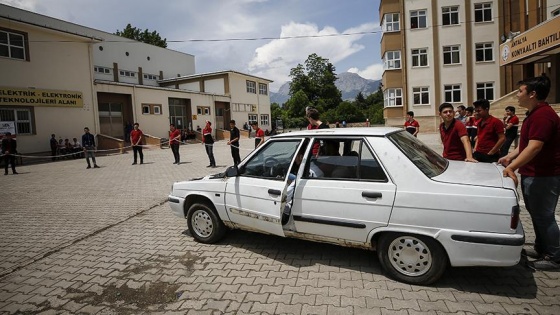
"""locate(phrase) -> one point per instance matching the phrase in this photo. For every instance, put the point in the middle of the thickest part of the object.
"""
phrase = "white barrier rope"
(107, 150)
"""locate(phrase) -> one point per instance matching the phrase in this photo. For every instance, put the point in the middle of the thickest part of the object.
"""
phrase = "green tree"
(316, 80)
(152, 38)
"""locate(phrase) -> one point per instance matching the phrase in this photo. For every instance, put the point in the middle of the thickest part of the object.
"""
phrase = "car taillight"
(514, 217)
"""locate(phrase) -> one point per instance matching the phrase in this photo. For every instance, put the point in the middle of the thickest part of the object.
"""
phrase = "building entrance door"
(111, 120)
(222, 115)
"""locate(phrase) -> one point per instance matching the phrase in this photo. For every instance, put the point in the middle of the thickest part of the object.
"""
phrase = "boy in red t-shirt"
(411, 125)
(456, 145)
(259, 134)
(490, 134)
(136, 141)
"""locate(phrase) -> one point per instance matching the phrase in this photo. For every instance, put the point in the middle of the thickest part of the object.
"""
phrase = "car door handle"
(371, 194)
(274, 192)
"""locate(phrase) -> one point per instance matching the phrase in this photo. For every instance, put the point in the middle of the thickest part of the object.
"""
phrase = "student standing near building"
(233, 142)
(136, 141)
(259, 134)
(9, 146)
(208, 143)
(456, 144)
(461, 114)
(538, 160)
(471, 125)
(88, 143)
(54, 146)
(174, 142)
(490, 134)
(411, 125)
(511, 123)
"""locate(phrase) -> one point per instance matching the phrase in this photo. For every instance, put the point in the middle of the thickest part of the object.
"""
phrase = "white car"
(378, 188)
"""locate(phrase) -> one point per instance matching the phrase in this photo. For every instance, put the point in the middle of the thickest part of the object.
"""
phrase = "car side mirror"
(232, 171)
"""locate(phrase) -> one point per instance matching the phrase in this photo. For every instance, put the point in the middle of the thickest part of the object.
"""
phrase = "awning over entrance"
(536, 44)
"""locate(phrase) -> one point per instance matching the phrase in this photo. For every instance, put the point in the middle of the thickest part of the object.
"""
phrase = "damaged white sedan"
(375, 188)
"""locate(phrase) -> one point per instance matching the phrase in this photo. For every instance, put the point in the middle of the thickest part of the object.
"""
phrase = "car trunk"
(477, 174)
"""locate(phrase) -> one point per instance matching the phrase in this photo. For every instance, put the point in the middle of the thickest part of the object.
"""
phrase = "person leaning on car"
(538, 160)
(456, 144)
(490, 135)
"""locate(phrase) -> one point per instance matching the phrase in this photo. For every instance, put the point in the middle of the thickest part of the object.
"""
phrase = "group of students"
(536, 159)
(475, 135)
(472, 134)
(64, 148)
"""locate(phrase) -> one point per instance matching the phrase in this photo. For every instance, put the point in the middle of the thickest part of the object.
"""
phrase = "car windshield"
(426, 159)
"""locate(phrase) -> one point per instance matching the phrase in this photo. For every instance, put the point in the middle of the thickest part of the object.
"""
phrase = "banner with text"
(540, 38)
(34, 97)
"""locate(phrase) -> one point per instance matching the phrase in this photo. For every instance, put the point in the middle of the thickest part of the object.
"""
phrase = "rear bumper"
(177, 205)
(483, 249)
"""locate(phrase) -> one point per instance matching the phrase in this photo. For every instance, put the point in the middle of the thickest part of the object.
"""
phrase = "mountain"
(350, 84)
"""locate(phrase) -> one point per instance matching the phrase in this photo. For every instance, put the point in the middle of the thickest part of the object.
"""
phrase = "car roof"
(365, 131)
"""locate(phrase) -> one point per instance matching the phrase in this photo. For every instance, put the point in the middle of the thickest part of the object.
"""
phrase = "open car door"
(256, 197)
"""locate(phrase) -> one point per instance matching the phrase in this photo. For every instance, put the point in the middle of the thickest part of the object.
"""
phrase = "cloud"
(372, 72)
(275, 59)
(21, 4)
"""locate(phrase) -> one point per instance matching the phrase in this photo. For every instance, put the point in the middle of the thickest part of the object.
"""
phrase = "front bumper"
(177, 205)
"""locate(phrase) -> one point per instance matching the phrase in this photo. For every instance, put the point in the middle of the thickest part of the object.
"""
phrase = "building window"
(451, 55)
(21, 118)
(203, 110)
(484, 52)
(555, 12)
(418, 19)
(485, 91)
(264, 120)
(151, 109)
(420, 57)
(151, 77)
(421, 95)
(102, 70)
(263, 89)
(391, 22)
(128, 74)
(12, 44)
(483, 12)
(392, 60)
(452, 93)
(251, 87)
(392, 97)
(240, 107)
(450, 15)
(252, 118)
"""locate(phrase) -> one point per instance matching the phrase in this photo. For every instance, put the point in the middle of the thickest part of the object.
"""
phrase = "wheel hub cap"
(410, 256)
(202, 223)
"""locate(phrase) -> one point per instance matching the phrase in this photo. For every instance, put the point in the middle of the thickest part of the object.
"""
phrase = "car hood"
(477, 174)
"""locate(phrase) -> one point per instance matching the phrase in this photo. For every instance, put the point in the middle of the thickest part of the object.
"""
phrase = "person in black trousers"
(234, 142)
(9, 146)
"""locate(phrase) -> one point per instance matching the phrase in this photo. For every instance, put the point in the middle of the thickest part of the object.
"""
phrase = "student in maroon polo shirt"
(456, 144)
(411, 125)
(538, 160)
(136, 140)
(490, 134)
(511, 122)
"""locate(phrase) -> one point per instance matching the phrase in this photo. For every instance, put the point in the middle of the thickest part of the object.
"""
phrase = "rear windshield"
(426, 159)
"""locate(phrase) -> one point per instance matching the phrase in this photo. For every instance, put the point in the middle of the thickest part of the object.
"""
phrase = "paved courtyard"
(103, 241)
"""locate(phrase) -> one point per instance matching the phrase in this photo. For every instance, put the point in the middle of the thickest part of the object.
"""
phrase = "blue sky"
(183, 20)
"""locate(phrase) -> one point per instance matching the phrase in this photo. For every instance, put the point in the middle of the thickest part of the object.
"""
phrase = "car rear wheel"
(410, 258)
(204, 224)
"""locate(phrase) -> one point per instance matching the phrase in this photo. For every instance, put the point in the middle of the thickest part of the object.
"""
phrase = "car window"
(426, 159)
(344, 159)
(272, 161)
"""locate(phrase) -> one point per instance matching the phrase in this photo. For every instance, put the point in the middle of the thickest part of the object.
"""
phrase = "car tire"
(204, 224)
(410, 258)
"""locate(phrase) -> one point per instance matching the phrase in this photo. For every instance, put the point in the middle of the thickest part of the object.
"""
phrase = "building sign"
(7, 126)
(540, 38)
(34, 97)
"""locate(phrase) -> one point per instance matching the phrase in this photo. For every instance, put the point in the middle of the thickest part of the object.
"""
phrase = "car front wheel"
(204, 224)
(410, 258)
